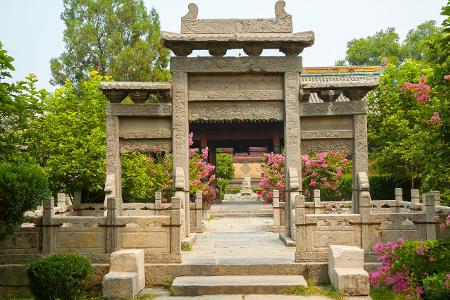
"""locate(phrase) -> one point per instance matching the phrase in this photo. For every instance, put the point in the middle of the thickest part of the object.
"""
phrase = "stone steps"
(231, 285)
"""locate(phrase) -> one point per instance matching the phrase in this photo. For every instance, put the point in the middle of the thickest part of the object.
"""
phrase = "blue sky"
(32, 32)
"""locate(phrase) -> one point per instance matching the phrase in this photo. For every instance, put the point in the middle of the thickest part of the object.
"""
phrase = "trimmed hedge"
(23, 186)
(60, 276)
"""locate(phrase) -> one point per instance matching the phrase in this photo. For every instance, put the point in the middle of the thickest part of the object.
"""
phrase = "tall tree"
(373, 49)
(415, 44)
(117, 38)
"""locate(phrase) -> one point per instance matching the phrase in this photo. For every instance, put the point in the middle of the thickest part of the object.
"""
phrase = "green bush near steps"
(60, 276)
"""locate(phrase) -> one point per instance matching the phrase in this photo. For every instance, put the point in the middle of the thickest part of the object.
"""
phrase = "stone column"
(317, 205)
(111, 225)
(430, 210)
(300, 221)
(276, 210)
(360, 155)
(180, 133)
(175, 231)
(198, 211)
(415, 199)
(47, 227)
(158, 203)
(291, 140)
(113, 164)
(364, 210)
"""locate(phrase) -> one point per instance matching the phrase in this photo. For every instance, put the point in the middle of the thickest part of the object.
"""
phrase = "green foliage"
(373, 49)
(70, 137)
(224, 166)
(117, 38)
(384, 293)
(222, 183)
(232, 191)
(435, 287)
(385, 45)
(185, 247)
(312, 290)
(23, 186)
(20, 102)
(136, 179)
(61, 276)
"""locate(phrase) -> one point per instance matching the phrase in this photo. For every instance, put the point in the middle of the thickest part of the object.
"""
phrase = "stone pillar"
(317, 205)
(158, 203)
(399, 196)
(276, 143)
(360, 155)
(113, 164)
(181, 194)
(300, 221)
(47, 227)
(364, 210)
(111, 225)
(276, 210)
(199, 210)
(180, 133)
(430, 210)
(291, 141)
(415, 198)
(176, 223)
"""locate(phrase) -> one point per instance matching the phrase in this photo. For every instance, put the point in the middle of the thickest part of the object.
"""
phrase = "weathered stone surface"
(236, 64)
(220, 285)
(139, 110)
(281, 24)
(327, 144)
(242, 110)
(331, 134)
(346, 270)
(333, 108)
(145, 145)
(126, 275)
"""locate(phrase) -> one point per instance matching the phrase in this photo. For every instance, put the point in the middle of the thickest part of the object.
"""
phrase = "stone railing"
(196, 214)
(98, 236)
(377, 221)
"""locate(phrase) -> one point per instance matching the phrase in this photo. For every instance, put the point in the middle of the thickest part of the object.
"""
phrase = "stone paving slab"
(246, 297)
(244, 284)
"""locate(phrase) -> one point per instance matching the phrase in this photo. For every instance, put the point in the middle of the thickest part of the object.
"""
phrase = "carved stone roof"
(252, 35)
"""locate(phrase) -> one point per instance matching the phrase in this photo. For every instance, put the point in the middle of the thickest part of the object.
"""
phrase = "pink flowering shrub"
(273, 177)
(444, 222)
(322, 170)
(405, 265)
(421, 90)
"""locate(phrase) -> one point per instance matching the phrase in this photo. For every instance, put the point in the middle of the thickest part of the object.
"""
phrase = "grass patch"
(186, 247)
(168, 285)
(384, 293)
(312, 290)
(211, 217)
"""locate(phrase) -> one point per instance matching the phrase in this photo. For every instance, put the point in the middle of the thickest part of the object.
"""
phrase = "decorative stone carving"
(329, 95)
(218, 51)
(253, 50)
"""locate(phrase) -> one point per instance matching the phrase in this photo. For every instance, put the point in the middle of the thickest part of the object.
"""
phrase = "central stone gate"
(319, 112)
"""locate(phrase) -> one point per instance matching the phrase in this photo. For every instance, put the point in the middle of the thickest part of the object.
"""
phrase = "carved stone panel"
(145, 128)
(145, 145)
(319, 145)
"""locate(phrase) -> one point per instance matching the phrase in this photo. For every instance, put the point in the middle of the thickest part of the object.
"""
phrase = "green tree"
(20, 102)
(372, 50)
(117, 38)
(70, 137)
(415, 44)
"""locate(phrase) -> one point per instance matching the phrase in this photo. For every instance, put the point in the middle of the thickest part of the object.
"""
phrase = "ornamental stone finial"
(279, 9)
(192, 13)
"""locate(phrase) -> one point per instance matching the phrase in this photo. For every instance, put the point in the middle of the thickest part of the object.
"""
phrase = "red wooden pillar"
(276, 142)
(203, 140)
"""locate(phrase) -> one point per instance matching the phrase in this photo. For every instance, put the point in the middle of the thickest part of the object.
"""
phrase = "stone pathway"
(239, 240)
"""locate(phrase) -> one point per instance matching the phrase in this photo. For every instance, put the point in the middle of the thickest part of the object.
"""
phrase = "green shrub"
(222, 183)
(435, 287)
(232, 191)
(60, 276)
(136, 179)
(23, 186)
(224, 166)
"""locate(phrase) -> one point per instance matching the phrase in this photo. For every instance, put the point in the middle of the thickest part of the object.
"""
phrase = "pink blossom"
(313, 183)
(420, 249)
(191, 139)
(436, 219)
(313, 174)
(436, 118)
(400, 242)
(447, 77)
(205, 152)
(442, 226)
(193, 152)
(447, 281)
(378, 247)
(212, 178)
(421, 90)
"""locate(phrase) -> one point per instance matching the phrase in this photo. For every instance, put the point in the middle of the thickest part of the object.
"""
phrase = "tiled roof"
(129, 85)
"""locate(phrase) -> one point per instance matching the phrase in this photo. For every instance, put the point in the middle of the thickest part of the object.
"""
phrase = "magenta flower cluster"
(421, 90)
(443, 222)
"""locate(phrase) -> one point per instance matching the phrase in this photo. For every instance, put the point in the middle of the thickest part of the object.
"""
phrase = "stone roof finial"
(192, 13)
(279, 9)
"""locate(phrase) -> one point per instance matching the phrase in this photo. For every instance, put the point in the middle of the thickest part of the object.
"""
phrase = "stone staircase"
(235, 285)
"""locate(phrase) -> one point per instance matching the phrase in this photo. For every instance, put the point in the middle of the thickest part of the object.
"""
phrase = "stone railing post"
(429, 205)
(317, 205)
(415, 198)
(158, 203)
(176, 235)
(47, 227)
(276, 210)
(398, 198)
(292, 192)
(300, 224)
(199, 210)
(111, 225)
(364, 210)
(76, 201)
(180, 193)
(437, 197)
